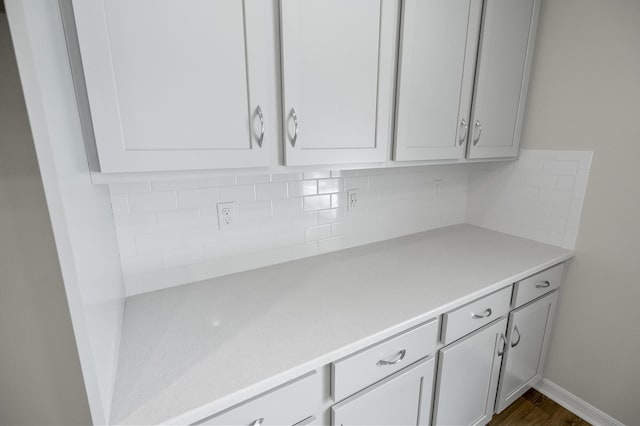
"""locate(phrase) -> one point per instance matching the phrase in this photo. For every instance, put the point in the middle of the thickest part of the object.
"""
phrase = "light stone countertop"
(190, 351)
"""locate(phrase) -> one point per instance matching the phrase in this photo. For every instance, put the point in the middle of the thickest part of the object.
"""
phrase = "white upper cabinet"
(502, 77)
(338, 66)
(175, 86)
(437, 59)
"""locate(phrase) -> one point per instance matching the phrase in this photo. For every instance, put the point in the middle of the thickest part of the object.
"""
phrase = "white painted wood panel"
(468, 378)
(372, 364)
(174, 88)
(338, 61)
(529, 330)
(402, 399)
(502, 77)
(288, 404)
(437, 60)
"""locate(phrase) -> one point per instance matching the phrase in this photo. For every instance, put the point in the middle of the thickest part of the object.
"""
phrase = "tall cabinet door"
(402, 399)
(468, 377)
(175, 86)
(338, 65)
(529, 329)
(438, 45)
(502, 77)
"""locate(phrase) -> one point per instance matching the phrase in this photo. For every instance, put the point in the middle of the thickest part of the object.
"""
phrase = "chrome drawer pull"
(294, 116)
(503, 340)
(396, 358)
(261, 117)
(465, 126)
(485, 314)
(515, 330)
(477, 138)
(543, 284)
(258, 422)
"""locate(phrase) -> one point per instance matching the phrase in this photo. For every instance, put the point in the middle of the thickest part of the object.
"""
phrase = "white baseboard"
(576, 405)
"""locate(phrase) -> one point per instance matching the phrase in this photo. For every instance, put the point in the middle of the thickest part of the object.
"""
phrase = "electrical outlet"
(353, 199)
(226, 215)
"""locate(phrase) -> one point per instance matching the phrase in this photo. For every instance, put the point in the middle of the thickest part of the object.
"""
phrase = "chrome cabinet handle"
(515, 330)
(295, 123)
(396, 358)
(485, 314)
(258, 422)
(465, 126)
(503, 340)
(543, 284)
(261, 117)
(479, 132)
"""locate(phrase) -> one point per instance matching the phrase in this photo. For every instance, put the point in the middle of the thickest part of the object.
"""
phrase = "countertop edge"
(209, 409)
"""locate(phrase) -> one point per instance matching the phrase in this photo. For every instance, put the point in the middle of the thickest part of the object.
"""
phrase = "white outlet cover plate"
(227, 214)
(353, 199)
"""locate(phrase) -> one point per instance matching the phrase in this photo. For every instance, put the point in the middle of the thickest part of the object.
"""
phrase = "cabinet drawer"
(474, 315)
(288, 404)
(363, 368)
(537, 285)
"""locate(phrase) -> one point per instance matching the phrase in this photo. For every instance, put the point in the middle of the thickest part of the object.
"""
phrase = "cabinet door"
(529, 328)
(338, 62)
(502, 77)
(402, 399)
(438, 45)
(175, 86)
(468, 377)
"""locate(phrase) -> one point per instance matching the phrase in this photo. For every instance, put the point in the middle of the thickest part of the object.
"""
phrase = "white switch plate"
(226, 215)
(353, 199)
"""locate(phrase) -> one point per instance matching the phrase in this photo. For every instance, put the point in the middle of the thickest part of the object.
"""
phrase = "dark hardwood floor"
(533, 408)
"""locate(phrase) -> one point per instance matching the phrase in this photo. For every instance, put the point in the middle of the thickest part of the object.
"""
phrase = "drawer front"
(474, 315)
(538, 285)
(288, 404)
(370, 365)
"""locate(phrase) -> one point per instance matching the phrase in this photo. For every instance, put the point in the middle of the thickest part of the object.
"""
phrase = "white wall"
(40, 377)
(585, 95)
(80, 211)
(168, 230)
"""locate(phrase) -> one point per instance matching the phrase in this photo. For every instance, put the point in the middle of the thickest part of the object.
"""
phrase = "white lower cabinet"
(401, 399)
(529, 329)
(468, 377)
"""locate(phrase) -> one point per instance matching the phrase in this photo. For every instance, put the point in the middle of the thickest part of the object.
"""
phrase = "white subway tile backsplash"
(329, 186)
(318, 232)
(330, 216)
(177, 219)
(560, 167)
(156, 243)
(499, 198)
(271, 191)
(152, 201)
(316, 175)
(237, 194)
(245, 179)
(129, 188)
(213, 181)
(168, 230)
(173, 185)
(300, 188)
(120, 204)
(317, 202)
(193, 198)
